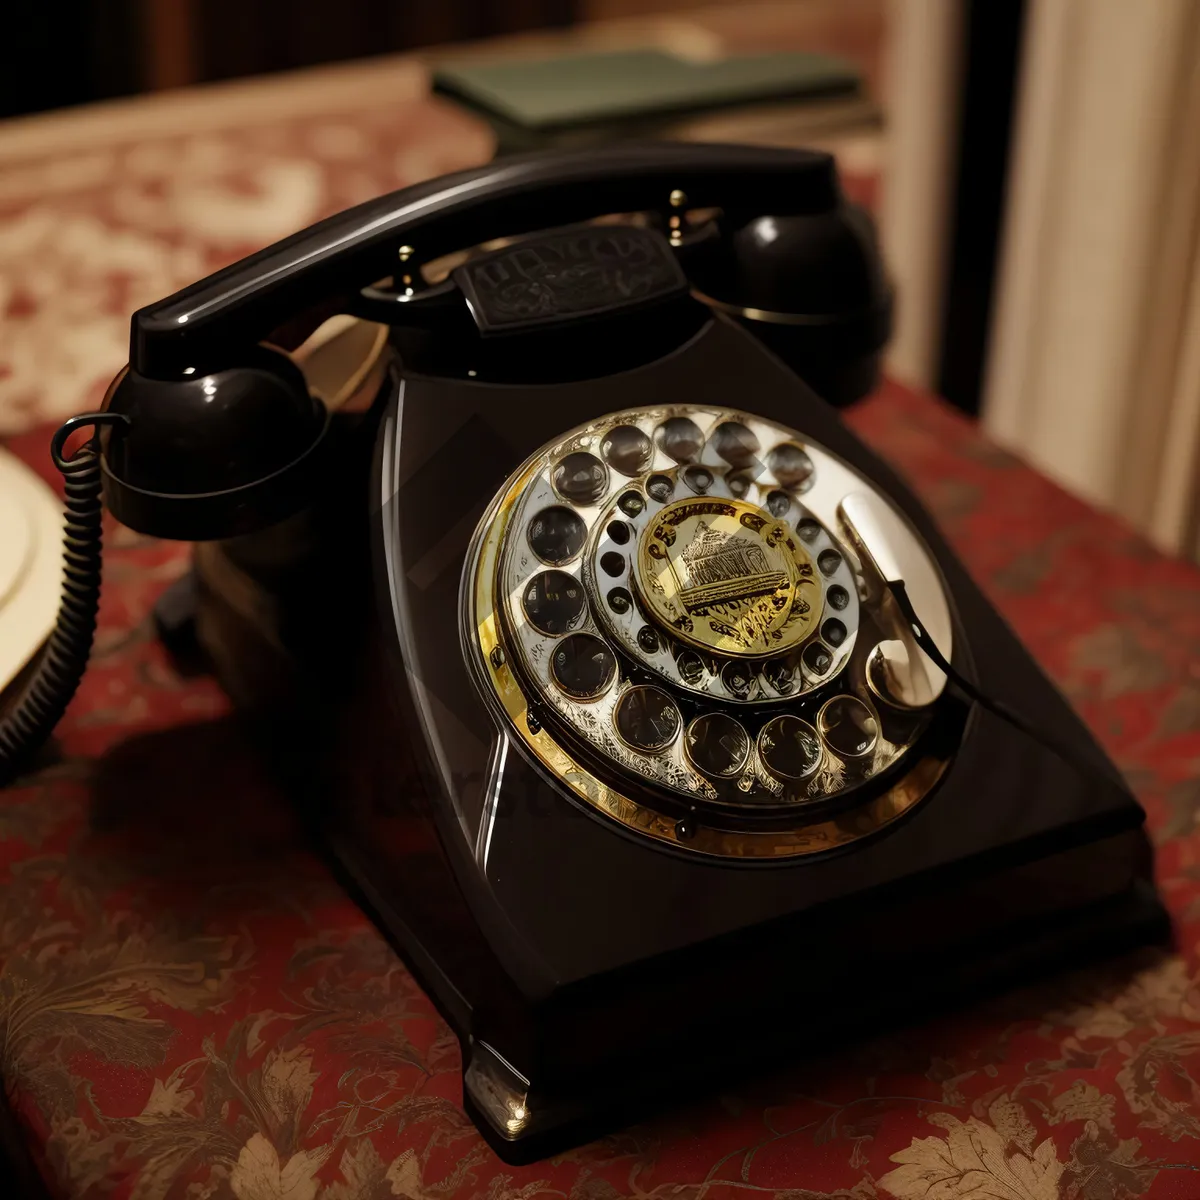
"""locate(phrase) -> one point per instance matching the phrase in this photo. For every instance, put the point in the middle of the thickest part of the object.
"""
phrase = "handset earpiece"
(215, 454)
(811, 286)
(198, 457)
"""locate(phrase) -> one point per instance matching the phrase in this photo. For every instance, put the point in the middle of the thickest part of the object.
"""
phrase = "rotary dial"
(666, 590)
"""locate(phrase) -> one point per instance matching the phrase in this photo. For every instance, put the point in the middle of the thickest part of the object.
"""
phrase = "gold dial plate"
(728, 577)
(609, 571)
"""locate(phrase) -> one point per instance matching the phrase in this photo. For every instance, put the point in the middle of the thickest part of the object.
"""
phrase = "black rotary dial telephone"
(642, 704)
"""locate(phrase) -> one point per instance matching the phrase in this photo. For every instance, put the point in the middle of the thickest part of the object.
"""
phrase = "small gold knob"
(678, 198)
(405, 252)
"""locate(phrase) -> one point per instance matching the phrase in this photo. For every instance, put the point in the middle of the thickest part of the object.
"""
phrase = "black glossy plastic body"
(221, 437)
(522, 194)
(588, 973)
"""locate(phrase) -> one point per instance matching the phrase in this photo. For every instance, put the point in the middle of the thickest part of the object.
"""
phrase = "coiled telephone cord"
(64, 658)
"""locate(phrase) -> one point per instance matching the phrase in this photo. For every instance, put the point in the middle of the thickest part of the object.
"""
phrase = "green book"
(537, 101)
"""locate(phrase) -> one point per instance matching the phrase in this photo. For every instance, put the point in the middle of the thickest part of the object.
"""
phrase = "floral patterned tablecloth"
(192, 1008)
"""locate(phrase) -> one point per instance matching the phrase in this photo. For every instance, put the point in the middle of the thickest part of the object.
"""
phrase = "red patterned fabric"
(151, 196)
(193, 1009)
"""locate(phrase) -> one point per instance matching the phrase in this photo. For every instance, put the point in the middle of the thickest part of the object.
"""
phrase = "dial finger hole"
(829, 561)
(679, 438)
(554, 602)
(627, 449)
(834, 632)
(778, 503)
(717, 745)
(780, 675)
(789, 747)
(690, 667)
(848, 726)
(581, 478)
(737, 679)
(647, 719)
(631, 504)
(817, 658)
(739, 483)
(735, 443)
(790, 465)
(556, 534)
(660, 487)
(583, 666)
(620, 601)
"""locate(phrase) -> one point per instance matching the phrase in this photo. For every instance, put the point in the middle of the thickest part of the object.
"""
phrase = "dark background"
(62, 52)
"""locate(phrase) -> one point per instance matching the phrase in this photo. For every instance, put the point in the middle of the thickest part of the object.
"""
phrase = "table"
(193, 1008)
(191, 999)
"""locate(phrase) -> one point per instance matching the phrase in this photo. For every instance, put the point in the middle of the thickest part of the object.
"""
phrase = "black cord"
(997, 707)
(64, 658)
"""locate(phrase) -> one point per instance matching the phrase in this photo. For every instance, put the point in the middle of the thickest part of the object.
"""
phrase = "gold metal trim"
(738, 612)
(698, 837)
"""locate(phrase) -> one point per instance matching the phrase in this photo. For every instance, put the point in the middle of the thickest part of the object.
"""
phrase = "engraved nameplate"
(569, 275)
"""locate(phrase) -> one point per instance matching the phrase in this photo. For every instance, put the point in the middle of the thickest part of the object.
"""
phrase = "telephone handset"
(628, 687)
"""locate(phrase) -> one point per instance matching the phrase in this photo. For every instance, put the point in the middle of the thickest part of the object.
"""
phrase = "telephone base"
(866, 995)
(175, 624)
(588, 972)
(602, 1106)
